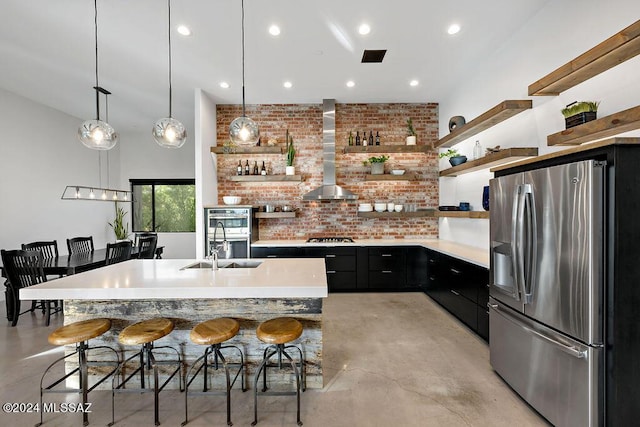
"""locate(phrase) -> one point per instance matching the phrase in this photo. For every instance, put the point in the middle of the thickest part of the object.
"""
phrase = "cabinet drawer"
(288, 252)
(462, 308)
(386, 279)
(341, 280)
(383, 262)
(462, 281)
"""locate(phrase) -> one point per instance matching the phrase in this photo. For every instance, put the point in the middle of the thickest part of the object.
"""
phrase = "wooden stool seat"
(146, 331)
(79, 331)
(280, 330)
(214, 331)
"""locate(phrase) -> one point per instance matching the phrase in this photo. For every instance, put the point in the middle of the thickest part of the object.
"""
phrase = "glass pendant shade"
(244, 131)
(169, 133)
(97, 135)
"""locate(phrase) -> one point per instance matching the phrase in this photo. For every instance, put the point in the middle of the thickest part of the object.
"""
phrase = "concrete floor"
(389, 360)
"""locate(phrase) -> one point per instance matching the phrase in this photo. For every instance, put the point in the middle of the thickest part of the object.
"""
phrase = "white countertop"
(467, 253)
(164, 279)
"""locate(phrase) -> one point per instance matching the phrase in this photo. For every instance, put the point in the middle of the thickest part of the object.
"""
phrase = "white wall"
(40, 155)
(142, 158)
(556, 35)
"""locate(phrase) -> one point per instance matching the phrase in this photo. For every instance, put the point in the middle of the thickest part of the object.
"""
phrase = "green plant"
(291, 151)
(380, 159)
(451, 152)
(410, 130)
(119, 228)
(580, 107)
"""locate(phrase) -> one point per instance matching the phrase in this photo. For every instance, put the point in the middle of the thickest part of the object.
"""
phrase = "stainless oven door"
(238, 247)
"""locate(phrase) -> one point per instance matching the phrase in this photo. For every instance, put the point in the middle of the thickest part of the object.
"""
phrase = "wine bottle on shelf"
(358, 138)
(371, 138)
(255, 168)
(350, 138)
(247, 168)
(377, 138)
(263, 171)
(365, 141)
(239, 167)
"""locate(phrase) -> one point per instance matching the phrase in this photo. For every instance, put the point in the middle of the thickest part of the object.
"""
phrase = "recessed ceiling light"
(184, 30)
(364, 29)
(414, 83)
(351, 83)
(453, 29)
(287, 84)
(224, 85)
(274, 30)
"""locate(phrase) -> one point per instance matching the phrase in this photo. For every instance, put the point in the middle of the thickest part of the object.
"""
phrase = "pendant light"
(96, 134)
(243, 130)
(169, 132)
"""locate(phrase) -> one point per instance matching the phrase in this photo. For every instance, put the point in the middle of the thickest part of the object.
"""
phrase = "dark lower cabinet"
(387, 268)
(461, 288)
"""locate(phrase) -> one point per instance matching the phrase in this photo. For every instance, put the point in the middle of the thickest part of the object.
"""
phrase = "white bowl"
(365, 209)
(397, 172)
(380, 207)
(231, 200)
(398, 208)
(365, 206)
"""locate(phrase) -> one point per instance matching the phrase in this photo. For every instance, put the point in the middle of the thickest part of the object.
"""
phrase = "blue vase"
(485, 198)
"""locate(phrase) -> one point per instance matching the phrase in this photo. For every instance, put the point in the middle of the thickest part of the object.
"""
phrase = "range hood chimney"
(329, 190)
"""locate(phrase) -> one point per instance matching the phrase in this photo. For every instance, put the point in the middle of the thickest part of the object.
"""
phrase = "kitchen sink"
(224, 264)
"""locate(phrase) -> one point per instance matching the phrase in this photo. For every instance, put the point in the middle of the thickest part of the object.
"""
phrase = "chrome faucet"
(224, 246)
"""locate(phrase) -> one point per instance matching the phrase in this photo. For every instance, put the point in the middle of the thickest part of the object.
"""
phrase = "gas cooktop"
(330, 240)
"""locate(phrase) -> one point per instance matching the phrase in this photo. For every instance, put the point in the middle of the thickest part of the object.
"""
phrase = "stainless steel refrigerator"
(546, 289)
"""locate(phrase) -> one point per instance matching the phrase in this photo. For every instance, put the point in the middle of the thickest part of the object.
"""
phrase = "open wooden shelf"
(490, 160)
(463, 214)
(611, 52)
(247, 150)
(396, 148)
(266, 178)
(614, 124)
(407, 176)
(265, 215)
(497, 114)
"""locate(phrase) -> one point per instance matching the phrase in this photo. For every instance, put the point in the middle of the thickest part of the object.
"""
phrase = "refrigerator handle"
(571, 350)
(517, 241)
(531, 244)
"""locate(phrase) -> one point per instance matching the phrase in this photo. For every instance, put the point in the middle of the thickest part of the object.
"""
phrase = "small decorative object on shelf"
(411, 133)
(291, 155)
(477, 151)
(377, 164)
(493, 149)
(456, 122)
(455, 158)
(485, 198)
(578, 113)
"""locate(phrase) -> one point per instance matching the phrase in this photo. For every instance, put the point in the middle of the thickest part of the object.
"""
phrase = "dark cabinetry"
(461, 288)
(386, 268)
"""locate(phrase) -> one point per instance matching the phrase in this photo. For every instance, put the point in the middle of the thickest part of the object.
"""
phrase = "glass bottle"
(255, 168)
(371, 138)
(357, 138)
(263, 171)
(247, 168)
(477, 151)
(239, 167)
(377, 138)
(365, 141)
(350, 138)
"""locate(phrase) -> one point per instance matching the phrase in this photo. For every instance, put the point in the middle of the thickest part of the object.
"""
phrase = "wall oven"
(240, 228)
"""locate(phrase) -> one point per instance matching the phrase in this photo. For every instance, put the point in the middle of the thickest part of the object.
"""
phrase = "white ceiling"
(47, 51)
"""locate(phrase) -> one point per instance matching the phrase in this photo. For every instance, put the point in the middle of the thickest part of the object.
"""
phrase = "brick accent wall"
(304, 122)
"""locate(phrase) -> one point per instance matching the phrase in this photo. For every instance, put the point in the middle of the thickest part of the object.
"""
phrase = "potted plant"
(578, 113)
(455, 158)
(291, 155)
(120, 229)
(377, 164)
(411, 133)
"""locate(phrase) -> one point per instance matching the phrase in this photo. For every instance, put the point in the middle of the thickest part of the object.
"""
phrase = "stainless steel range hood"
(329, 190)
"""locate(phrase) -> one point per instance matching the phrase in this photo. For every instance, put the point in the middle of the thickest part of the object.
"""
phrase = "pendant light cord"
(243, 108)
(95, 26)
(170, 88)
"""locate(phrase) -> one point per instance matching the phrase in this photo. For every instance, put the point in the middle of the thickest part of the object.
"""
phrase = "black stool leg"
(84, 379)
(295, 371)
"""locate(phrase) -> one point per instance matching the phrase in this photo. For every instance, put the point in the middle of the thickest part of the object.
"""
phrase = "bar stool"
(278, 332)
(213, 333)
(145, 333)
(79, 333)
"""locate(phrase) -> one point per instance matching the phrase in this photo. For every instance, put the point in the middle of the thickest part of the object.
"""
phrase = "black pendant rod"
(95, 25)
(243, 109)
(170, 88)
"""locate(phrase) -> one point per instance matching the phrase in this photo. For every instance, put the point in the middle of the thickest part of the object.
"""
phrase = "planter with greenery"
(578, 113)
(291, 155)
(120, 229)
(377, 164)
(455, 158)
(411, 133)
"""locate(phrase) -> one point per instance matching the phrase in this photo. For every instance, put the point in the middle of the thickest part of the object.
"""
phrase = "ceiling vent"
(373, 55)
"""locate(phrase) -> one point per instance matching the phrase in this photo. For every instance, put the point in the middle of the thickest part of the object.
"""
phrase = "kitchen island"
(136, 290)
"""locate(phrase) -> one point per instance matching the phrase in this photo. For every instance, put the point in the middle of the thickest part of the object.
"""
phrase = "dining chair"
(49, 250)
(143, 234)
(118, 252)
(147, 246)
(23, 269)
(79, 245)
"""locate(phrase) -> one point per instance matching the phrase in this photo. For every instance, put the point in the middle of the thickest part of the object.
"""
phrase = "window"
(164, 205)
